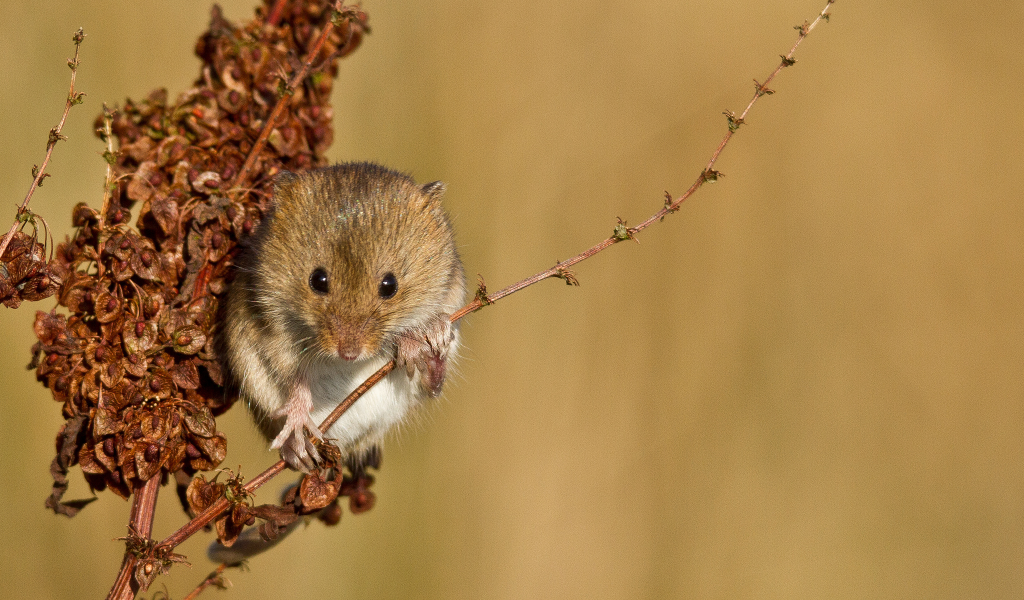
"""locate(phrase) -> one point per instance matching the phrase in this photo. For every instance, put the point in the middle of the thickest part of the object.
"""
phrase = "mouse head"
(352, 257)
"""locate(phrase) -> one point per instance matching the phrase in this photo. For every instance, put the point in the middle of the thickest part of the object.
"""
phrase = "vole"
(354, 265)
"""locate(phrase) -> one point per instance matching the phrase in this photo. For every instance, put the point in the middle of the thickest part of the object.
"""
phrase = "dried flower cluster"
(134, 359)
(317, 494)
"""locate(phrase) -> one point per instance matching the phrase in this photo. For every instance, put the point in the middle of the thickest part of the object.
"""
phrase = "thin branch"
(39, 173)
(296, 80)
(622, 232)
(140, 525)
(111, 158)
(560, 271)
(217, 508)
(214, 579)
(275, 13)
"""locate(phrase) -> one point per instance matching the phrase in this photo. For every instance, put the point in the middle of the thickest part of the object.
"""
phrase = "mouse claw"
(293, 441)
(300, 455)
(426, 351)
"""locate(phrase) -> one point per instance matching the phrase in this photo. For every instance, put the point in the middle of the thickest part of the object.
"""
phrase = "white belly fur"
(377, 411)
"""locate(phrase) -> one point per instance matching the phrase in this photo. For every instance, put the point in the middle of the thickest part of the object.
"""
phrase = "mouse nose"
(350, 347)
(351, 340)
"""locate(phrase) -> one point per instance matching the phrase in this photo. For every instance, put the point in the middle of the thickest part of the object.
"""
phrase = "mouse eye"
(388, 286)
(319, 282)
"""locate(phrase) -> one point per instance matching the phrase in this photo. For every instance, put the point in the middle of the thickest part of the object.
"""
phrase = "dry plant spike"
(39, 173)
(131, 359)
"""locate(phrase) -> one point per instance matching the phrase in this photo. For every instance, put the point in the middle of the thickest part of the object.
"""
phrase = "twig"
(39, 173)
(560, 271)
(215, 579)
(218, 507)
(140, 525)
(307, 64)
(622, 232)
(111, 158)
(275, 13)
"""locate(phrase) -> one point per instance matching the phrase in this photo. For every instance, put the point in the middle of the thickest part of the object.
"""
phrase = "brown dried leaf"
(48, 327)
(146, 263)
(171, 150)
(139, 151)
(165, 212)
(108, 306)
(176, 455)
(105, 423)
(276, 518)
(88, 462)
(201, 423)
(185, 375)
(144, 182)
(109, 461)
(201, 493)
(213, 451)
(139, 336)
(158, 384)
(112, 374)
(316, 493)
(228, 529)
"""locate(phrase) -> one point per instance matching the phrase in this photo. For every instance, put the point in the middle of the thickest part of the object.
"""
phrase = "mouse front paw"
(293, 439)
(425, 351)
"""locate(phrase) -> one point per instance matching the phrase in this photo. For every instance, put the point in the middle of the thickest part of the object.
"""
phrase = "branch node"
(787, 61)
(734, 121)
(711, 175)
(565, 274)
(621, 232)
(54, 137)
(763, 89)
(669, 209)
(481, 291)
(35, 174)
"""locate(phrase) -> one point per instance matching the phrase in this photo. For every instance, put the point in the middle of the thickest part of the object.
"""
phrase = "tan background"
(807, 384)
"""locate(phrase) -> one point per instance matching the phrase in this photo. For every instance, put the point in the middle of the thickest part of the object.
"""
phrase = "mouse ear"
(434, 190)
(284, 178)
(282, 181)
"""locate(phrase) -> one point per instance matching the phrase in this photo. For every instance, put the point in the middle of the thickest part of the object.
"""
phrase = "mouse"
(353, 265)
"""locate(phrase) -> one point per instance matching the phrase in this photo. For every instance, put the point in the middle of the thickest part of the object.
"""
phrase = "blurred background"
(806, 384)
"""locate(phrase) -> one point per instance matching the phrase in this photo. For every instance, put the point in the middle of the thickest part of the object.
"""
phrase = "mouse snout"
(349, 347)
(351, 341)
(349, 352)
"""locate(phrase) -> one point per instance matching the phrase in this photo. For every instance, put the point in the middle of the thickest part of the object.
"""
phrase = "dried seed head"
(126, 362)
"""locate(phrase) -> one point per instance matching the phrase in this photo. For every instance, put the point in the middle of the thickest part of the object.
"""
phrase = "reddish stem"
(140, 524)
(217, 508)
(276, 12)
(211, 579)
